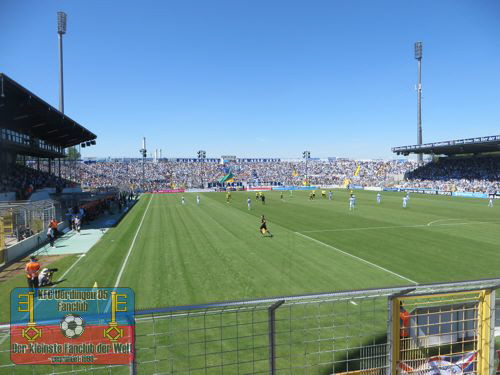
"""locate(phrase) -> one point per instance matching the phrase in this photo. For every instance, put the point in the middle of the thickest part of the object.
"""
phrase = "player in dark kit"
(263, 227)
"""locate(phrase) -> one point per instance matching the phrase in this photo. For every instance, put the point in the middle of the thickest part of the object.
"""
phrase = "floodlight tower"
(306, 155)
(202, 154)
(418, 57)
(61, 30)
(144, 153)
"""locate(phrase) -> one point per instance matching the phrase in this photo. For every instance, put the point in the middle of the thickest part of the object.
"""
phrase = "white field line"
(69, 269)
(124, 264)
(470, 220)
(358, 258)
(400, 226)
(4, 338)
(437, 221)
(132, 244)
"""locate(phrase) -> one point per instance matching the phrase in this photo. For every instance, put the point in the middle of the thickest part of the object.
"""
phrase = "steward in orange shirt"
(404, 322)
(53, 225)
(32, 270)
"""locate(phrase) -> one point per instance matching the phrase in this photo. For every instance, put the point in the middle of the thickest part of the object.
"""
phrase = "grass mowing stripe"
(354, 256)
(132, 244)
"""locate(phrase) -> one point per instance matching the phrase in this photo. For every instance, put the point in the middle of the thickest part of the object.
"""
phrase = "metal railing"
(311, 334)
(25, 218)
(457, 142)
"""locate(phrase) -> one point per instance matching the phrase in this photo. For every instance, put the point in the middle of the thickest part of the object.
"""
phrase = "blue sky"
(261, 78)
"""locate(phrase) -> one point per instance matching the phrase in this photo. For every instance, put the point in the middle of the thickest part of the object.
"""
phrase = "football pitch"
(173, 254)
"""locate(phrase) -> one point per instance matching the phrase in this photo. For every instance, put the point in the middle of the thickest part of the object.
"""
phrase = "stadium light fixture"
(61, 22)
(82, 145)
(418, 50)
(92, 142)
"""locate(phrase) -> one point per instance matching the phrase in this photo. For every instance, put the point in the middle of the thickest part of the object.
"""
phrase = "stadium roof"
(23, 111)
(460, 146)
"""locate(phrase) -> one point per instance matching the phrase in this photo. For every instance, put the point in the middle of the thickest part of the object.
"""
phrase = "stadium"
(236, 264)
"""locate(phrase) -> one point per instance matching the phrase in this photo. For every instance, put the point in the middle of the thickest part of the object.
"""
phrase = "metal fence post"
(133, 367)
(272, 344)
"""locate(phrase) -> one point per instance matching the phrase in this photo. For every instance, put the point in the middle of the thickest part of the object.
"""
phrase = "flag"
(295, 173)
(444, 365)
(227, 178)
(95, 285)
(346, 182)
(357, 170)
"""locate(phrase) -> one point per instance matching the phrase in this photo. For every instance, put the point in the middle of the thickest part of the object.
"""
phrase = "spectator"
(51, 236)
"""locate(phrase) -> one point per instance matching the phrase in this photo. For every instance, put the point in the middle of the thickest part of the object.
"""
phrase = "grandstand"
(467, 165)
(32, 130)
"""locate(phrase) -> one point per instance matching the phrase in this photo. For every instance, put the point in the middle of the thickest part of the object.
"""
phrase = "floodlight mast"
(61, 30)
(202, 154)
(306, 155)
(143, 152)
(418, 57)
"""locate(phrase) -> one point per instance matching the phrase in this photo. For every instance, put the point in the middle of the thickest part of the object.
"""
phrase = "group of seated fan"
(24, 181)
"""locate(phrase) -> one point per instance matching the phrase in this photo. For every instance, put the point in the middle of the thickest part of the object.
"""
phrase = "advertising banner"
(169, 191)
(469, 194)
(295, 187)
(355, 187)
(259, 188)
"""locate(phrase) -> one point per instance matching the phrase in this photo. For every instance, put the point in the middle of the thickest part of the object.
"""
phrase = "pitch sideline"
(124, 264)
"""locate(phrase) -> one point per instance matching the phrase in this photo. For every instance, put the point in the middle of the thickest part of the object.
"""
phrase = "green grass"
(214, 252)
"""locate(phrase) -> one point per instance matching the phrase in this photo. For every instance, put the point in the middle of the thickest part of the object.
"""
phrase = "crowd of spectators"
(458, 174)
(24, 180)
(165, 175)
(471, 174)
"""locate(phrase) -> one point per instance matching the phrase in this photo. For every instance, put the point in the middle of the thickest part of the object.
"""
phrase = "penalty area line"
(358, 258)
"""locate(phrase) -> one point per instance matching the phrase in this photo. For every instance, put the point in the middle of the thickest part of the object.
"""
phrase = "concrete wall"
(27, 246)
(7, 197)
(72, 190)
(42, 194)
